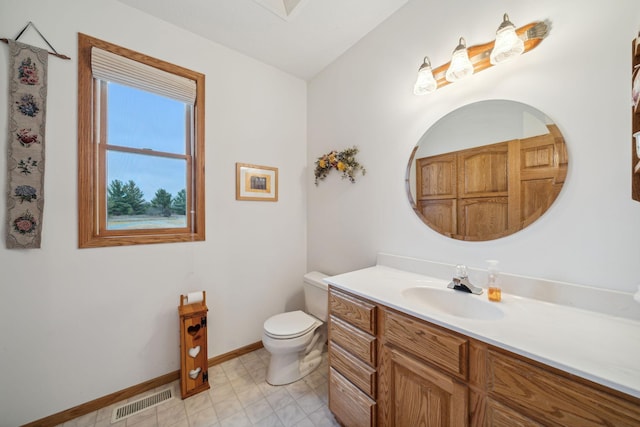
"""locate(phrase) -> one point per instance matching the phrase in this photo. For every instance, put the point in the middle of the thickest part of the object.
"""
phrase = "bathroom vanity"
(406, 351)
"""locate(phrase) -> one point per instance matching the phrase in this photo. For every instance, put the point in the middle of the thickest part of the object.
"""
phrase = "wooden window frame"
(92, 184)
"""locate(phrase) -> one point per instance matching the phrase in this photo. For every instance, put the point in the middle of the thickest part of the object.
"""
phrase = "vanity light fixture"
(510, 43)
(507, 45)
(425, 82)
(460, 66)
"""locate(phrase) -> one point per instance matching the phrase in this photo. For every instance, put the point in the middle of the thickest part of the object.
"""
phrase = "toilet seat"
(290, 325)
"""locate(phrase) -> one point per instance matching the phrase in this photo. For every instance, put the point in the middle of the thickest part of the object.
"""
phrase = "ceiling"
(300, 37)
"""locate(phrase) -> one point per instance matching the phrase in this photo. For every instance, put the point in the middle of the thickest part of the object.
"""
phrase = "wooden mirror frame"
(498, 185)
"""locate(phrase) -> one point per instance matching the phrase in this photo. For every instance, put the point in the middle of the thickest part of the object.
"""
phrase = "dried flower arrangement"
(343, 161)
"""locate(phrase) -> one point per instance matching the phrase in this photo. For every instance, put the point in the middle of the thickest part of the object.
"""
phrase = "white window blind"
(119, 69)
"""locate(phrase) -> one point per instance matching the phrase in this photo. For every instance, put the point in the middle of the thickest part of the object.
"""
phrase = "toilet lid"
(289, 325)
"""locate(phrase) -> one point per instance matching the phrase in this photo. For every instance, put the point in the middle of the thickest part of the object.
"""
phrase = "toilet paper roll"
(193, 297)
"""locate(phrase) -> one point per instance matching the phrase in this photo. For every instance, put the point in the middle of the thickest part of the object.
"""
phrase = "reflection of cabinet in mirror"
(491, 191)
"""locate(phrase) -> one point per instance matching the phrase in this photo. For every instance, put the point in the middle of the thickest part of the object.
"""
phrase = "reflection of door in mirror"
(488, 192)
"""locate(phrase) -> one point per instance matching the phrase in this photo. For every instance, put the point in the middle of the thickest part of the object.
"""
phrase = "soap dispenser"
(494, 293)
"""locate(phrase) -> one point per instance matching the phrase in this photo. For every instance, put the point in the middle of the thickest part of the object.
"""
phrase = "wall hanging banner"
(25, 159)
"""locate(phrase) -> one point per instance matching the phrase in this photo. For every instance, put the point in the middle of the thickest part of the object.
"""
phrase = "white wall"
(579, 76)
(75, 324)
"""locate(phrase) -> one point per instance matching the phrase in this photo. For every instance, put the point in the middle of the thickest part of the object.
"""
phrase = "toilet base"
(288, 368)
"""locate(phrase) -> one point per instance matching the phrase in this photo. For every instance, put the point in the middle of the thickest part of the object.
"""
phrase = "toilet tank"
(316, 294)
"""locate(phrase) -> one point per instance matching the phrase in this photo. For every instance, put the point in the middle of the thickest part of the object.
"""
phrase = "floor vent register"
(132, 408)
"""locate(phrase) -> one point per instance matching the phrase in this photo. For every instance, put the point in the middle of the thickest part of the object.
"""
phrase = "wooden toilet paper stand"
(194, 364)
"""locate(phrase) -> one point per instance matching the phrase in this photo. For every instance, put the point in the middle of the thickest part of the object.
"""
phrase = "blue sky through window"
(145, 120)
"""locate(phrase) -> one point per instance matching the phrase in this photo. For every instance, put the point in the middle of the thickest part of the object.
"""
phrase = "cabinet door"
(543, 167)
(483, 171)
(441, 215)
(483, 218)
(413, 394)
(436, 177)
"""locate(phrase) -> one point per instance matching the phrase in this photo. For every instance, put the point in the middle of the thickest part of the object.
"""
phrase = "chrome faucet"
(461, 282)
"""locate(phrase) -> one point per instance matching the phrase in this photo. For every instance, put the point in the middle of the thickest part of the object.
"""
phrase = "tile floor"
(239, 397)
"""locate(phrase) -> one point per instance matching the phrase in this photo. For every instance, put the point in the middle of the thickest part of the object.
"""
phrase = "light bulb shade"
(460, 66)
(425, 83)
(507, 45)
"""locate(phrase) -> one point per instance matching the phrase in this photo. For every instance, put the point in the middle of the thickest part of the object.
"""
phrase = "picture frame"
(257, 183)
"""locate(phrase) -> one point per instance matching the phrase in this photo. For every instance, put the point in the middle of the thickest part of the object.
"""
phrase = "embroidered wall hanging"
(25, 159)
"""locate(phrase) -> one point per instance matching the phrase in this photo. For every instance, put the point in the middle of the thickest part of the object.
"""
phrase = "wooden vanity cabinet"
(352, 359)
(391, 369)
(422, 374)
(553, 397)
(431, 376)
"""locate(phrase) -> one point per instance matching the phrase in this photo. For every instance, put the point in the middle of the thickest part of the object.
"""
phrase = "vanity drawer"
(359, 343)
(443, 349)
(353, 310)
(353, 369)
(352, 406)
(553, 398)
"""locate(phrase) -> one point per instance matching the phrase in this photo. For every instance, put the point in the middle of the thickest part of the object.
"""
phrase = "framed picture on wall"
(255, 182)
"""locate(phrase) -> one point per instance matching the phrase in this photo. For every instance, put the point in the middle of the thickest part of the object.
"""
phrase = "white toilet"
(296, 339)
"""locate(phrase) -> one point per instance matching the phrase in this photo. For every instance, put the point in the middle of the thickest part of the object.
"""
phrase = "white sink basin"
(454, 303)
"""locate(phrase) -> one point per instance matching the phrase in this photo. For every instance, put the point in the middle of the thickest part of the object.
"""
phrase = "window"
(140, 148)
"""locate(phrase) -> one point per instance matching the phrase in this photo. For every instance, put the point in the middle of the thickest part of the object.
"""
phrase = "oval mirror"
(486, 170)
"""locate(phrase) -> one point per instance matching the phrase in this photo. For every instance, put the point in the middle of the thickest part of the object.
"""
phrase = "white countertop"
(599, 347)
